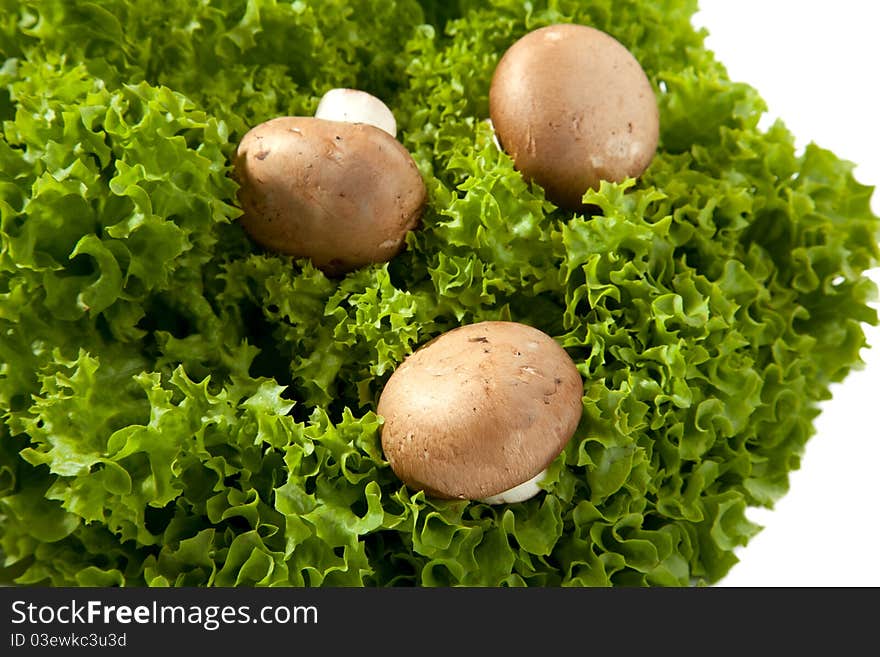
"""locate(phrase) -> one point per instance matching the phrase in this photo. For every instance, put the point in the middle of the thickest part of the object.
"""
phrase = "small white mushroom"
(355, 106)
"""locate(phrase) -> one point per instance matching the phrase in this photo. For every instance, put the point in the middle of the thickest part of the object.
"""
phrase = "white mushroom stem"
(494, 134)
(354, 106)
(519, 493)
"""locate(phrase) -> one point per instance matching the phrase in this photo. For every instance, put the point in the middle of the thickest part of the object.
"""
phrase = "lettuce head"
(180, 408)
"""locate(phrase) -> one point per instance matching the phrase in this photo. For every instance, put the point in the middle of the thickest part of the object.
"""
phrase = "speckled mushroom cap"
(572, 107)
(342, 194)
(479, 410)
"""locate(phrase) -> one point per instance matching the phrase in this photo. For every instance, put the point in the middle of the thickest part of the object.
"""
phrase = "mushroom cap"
(479, 410)
(356, 106)
(572, 107)
(342, 194)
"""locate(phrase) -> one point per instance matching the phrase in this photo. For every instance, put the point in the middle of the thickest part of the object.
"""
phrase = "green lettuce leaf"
(180, 408)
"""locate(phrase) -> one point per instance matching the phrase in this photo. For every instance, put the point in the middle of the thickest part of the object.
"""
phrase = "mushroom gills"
(519, 493)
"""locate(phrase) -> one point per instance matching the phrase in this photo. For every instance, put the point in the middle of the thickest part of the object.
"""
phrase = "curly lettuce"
(180, 408)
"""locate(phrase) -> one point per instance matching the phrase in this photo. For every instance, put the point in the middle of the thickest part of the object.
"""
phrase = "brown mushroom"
(572, 107)
(480, 412)
(341, 193)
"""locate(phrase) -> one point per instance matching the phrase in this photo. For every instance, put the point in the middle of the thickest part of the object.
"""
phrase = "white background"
(817, 65)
